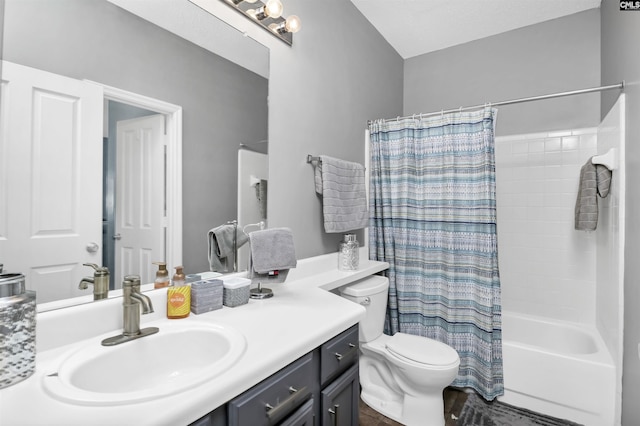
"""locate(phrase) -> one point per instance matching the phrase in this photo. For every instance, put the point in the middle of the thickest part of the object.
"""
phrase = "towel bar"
(609, 160)
(311, 159)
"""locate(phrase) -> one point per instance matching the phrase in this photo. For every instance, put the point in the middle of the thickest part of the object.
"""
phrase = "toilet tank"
(372, 293)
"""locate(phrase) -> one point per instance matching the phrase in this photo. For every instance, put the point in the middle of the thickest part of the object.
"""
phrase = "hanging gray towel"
(272, 255)
(261, 195)
(221, 254)
(595, 179)
(344, 202)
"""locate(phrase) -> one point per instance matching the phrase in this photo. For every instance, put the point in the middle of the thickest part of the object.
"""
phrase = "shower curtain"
(433, 219)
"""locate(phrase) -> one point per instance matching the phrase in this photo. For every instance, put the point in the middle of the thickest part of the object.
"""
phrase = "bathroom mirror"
(223, 105)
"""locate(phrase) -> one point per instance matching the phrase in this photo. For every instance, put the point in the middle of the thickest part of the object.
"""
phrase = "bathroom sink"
(179, 357)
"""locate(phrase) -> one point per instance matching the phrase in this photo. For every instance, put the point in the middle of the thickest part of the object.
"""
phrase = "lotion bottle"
(178, 296)
(162, 276)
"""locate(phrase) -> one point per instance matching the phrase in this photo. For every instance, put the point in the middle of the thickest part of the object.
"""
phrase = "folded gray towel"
(344, 202)
(272, 255)
(595, 179)
(221, 254)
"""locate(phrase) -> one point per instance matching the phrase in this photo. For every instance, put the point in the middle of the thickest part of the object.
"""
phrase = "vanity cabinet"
(339, 380)
(320, 388)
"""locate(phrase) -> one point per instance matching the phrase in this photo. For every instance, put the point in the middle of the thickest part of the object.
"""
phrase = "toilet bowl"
(401, 376)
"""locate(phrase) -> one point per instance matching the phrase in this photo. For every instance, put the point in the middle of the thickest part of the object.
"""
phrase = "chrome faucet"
(100, 281)
(132, 302)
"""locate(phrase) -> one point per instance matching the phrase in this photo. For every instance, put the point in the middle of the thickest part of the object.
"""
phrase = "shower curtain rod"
(515, 101)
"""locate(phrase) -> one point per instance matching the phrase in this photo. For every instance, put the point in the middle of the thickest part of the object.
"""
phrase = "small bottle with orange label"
(178, 296)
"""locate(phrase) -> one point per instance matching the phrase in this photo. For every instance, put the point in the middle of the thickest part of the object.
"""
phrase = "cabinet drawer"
(273, 399)
(338, 354)
(302, 417)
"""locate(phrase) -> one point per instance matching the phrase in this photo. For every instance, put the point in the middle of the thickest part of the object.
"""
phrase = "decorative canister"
(17, 330)
(348, 253)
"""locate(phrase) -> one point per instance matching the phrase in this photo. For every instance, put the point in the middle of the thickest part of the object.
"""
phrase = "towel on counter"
(272, 255)
(221, 254)
(344, 202)
(595, 179)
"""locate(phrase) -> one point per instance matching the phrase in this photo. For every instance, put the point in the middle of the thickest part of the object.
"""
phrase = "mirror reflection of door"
(140, 197)
(50, 195)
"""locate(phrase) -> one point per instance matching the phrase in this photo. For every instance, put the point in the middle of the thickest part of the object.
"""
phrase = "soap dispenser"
(178, 296)
(162, 276)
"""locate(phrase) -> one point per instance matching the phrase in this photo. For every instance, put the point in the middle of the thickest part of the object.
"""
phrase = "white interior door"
(50, 179)
(140, 197)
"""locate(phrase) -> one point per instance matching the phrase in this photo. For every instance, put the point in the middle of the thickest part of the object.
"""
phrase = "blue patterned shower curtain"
(433, 218)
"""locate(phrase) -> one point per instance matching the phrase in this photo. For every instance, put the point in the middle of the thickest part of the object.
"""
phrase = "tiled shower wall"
(546, 267)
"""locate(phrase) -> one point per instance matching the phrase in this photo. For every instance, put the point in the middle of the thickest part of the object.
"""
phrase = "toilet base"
(409, 411)
(389, 408)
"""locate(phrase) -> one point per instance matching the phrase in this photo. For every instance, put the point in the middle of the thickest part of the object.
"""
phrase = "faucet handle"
(132, 281)
(100, 270)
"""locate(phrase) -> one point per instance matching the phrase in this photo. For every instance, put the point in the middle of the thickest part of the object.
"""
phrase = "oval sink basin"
(177, 358)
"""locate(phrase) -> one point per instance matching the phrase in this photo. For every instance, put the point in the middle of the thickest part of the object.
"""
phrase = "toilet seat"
(422, 350)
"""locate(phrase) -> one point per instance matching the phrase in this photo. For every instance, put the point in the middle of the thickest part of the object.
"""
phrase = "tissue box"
(236, 291)
(206, 296)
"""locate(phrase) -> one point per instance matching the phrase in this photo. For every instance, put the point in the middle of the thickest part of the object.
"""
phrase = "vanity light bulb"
(273, 9)
(293, 24)
(250, 1)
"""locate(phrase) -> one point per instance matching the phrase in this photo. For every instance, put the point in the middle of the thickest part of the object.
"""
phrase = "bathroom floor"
(453, 402)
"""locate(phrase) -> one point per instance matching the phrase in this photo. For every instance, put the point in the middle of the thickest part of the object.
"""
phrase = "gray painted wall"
(98, 41)
(621, 61)
(1, 30)
(339, 73)
(553, 56)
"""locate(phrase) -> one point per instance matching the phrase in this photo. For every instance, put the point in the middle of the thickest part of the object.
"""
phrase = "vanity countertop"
(302, 315)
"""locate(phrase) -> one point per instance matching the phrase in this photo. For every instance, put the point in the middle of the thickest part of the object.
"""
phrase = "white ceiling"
(415, 27)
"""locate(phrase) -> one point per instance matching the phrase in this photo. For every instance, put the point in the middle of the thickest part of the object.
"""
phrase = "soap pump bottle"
(162, 276)
(178, 296)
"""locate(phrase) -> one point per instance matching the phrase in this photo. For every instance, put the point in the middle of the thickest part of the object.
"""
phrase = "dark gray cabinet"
(276, 398)
(340, 400)
(320, 388)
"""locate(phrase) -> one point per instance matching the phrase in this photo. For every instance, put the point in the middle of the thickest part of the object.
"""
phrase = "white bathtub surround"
(551, 271)
(300, 316)
(610, 244)
(546, 267)
(558, 368)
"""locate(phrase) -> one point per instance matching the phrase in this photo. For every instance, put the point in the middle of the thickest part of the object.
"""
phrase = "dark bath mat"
(478, 412)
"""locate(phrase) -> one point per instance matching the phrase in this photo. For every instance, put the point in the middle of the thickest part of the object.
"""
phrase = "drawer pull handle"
(280, 411)
(334, 414)
(353, 349)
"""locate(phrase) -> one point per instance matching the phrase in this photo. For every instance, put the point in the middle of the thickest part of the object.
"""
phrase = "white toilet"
(401, 376)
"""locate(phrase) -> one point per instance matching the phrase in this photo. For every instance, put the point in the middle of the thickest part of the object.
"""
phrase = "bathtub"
(558, 368)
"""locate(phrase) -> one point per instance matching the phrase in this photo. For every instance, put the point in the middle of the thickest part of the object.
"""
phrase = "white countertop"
(301, 316)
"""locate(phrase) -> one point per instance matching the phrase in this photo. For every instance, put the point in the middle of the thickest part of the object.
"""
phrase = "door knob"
(92, 247)
(117, 236)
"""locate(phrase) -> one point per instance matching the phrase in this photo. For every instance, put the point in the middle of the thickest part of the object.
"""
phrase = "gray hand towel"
(595, 179)
(261, 195)
(221, 254)
(272, 255)
(342, 186)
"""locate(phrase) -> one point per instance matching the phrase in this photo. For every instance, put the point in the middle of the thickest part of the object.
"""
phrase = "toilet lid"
(422, 350)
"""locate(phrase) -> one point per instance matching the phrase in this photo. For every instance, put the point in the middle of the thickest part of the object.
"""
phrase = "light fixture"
(291, 25)
(268, 15)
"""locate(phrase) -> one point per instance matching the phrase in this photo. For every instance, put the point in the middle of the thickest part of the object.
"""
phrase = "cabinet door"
(340, 400)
